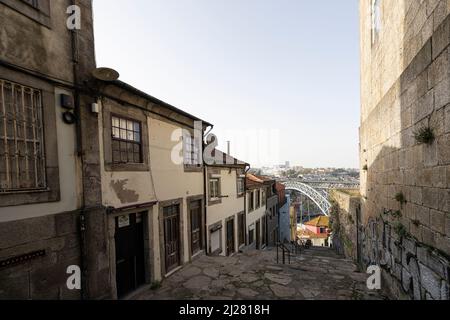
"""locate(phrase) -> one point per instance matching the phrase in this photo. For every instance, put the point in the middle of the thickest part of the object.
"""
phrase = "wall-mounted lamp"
(95, 108)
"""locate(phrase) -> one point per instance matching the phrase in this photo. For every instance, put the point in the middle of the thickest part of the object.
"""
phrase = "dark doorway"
(241, 229)
(264, 231)
(196, 227)
(230, 237)
(130, 263)
(172, 237)
(258, 234)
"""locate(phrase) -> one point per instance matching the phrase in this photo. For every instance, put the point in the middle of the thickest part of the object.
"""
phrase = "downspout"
(79, 152)
(245, 204)
(205, 200)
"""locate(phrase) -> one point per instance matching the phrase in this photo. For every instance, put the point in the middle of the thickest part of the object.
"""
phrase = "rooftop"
(321, 221)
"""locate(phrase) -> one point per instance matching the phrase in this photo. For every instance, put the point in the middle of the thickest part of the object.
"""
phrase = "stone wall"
(43, 277)
(405, 185)
(343, 222)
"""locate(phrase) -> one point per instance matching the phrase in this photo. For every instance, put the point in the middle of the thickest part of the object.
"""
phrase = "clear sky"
(282, 68)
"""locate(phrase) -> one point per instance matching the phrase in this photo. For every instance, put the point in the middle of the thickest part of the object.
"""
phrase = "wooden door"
(196, 227)
(172, 237)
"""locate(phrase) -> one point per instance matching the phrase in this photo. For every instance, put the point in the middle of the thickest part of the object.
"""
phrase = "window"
(258, 198)
(22, 160)
(126, 141)
(376, 19)
(37, 10)
(33, 3)
(251, 201)
(240, 186)
(214, 188)
(192, 148)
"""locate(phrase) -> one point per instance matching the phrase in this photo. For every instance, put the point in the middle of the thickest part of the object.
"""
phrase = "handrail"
(284, 250)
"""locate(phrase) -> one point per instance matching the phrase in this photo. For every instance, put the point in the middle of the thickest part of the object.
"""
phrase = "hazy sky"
(279, 68)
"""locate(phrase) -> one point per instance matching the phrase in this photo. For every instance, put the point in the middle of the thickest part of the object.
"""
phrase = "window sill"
(191, 169)
(25, 191)
(22, 198)
(127, 167)
(212, 202)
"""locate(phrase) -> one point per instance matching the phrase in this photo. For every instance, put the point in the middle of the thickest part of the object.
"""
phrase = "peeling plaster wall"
(121, 189)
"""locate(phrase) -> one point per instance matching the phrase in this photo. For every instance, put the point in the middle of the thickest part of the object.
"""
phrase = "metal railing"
(284, 250)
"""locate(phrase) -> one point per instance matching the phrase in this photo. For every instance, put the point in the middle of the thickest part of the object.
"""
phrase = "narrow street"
(316, 274)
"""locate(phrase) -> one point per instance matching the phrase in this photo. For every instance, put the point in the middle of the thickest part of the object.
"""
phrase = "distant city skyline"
(286, 69)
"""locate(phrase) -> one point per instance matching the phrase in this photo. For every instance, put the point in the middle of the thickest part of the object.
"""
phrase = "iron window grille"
(126, 140)
(22, 158)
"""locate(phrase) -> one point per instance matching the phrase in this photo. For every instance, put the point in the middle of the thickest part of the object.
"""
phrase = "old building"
(43, 169)
(256, 212)
(405, 144)
(316, 232)
(93, 174)
(154, 202)
(225, 211)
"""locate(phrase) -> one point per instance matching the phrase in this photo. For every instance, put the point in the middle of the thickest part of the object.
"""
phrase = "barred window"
(191, 151)
(22, 159)
(126, 141)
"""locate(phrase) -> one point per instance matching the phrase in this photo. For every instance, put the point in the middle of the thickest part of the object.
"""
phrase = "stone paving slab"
(316, 274)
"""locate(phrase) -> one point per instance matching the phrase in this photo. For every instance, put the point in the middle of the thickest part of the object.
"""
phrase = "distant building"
(317, 231)
(284, 221)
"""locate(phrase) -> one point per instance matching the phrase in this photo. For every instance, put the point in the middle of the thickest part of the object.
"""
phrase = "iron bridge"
(318, 198)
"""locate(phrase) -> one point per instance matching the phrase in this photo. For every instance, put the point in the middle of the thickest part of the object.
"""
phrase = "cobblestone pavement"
(316, 274)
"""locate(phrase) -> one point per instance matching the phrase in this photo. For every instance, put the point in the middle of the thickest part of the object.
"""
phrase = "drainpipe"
(79, 149)
(247, 169)
(205, 198)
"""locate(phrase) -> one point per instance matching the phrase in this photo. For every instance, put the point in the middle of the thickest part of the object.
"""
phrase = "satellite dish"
(105, 74)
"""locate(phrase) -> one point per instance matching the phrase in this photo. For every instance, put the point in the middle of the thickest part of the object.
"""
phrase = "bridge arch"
(322, 202)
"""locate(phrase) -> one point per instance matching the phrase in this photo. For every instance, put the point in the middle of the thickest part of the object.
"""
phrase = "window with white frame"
(214, 188)
(376, 19)
(192, 148)
(240, 186)
(126, 140)
(22, 159)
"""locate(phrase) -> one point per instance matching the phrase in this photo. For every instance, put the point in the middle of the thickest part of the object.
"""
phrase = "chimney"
(229, 148)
